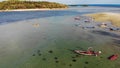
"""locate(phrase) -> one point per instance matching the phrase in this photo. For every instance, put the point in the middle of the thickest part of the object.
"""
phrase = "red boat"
(113, 57)
(88, 52)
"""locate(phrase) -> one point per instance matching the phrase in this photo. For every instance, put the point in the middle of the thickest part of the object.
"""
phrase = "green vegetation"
(20, 4)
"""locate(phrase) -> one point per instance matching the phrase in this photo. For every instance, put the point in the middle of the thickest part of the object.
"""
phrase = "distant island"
(20, 4)
(83, 5)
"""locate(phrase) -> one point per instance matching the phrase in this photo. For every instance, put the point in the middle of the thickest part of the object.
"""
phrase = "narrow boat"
(88, 52)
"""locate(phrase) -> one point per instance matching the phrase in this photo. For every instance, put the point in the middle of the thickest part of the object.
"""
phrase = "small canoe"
(84, 52)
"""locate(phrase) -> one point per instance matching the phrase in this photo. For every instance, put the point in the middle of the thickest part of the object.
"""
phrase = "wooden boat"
(88, 52)
(84, 52)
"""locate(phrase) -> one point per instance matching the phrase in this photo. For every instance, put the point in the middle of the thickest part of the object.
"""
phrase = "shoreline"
(42, 9)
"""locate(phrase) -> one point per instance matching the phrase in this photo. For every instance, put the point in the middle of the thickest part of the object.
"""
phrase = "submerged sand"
(106, 17)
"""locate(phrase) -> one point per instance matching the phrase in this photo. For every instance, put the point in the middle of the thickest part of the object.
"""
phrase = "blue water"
(7, 17)
(105, 5)
(100, 5)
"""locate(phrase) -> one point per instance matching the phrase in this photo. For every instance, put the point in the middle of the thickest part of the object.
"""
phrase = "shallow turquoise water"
(50, 45)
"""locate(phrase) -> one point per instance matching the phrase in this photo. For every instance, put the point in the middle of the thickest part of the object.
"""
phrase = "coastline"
(42, 9)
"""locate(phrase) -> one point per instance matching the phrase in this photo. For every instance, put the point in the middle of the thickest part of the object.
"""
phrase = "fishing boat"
(88, 52)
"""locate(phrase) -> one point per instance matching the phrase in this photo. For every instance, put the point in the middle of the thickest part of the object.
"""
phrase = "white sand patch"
(107, 16)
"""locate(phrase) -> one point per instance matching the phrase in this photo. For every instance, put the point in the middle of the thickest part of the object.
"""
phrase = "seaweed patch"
(77, 55)
(74, 60)
(73, 57)
(86, 62)
(38, 51)
(56, 58)
(57, 61)
(101, 57)
(39, 54)
(70, 65)
(44, 59)
(50, 51)
(33, 55)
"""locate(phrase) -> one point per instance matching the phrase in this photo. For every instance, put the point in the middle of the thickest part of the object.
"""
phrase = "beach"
(42, 9)
(48, 42)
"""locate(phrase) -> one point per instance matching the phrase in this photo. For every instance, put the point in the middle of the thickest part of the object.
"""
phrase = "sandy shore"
(33, 9)
(107, 16)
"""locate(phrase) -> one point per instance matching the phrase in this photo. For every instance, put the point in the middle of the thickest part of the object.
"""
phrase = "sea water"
(52, 44)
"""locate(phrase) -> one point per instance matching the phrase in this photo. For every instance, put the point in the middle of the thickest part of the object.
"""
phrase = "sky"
(83, 1)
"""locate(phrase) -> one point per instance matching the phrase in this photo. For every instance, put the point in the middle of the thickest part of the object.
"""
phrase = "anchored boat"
(88, 52)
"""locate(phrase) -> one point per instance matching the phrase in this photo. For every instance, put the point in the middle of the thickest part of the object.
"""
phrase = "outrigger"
(88, 52)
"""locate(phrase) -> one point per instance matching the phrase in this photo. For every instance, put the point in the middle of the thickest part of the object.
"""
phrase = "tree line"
(17, 4)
